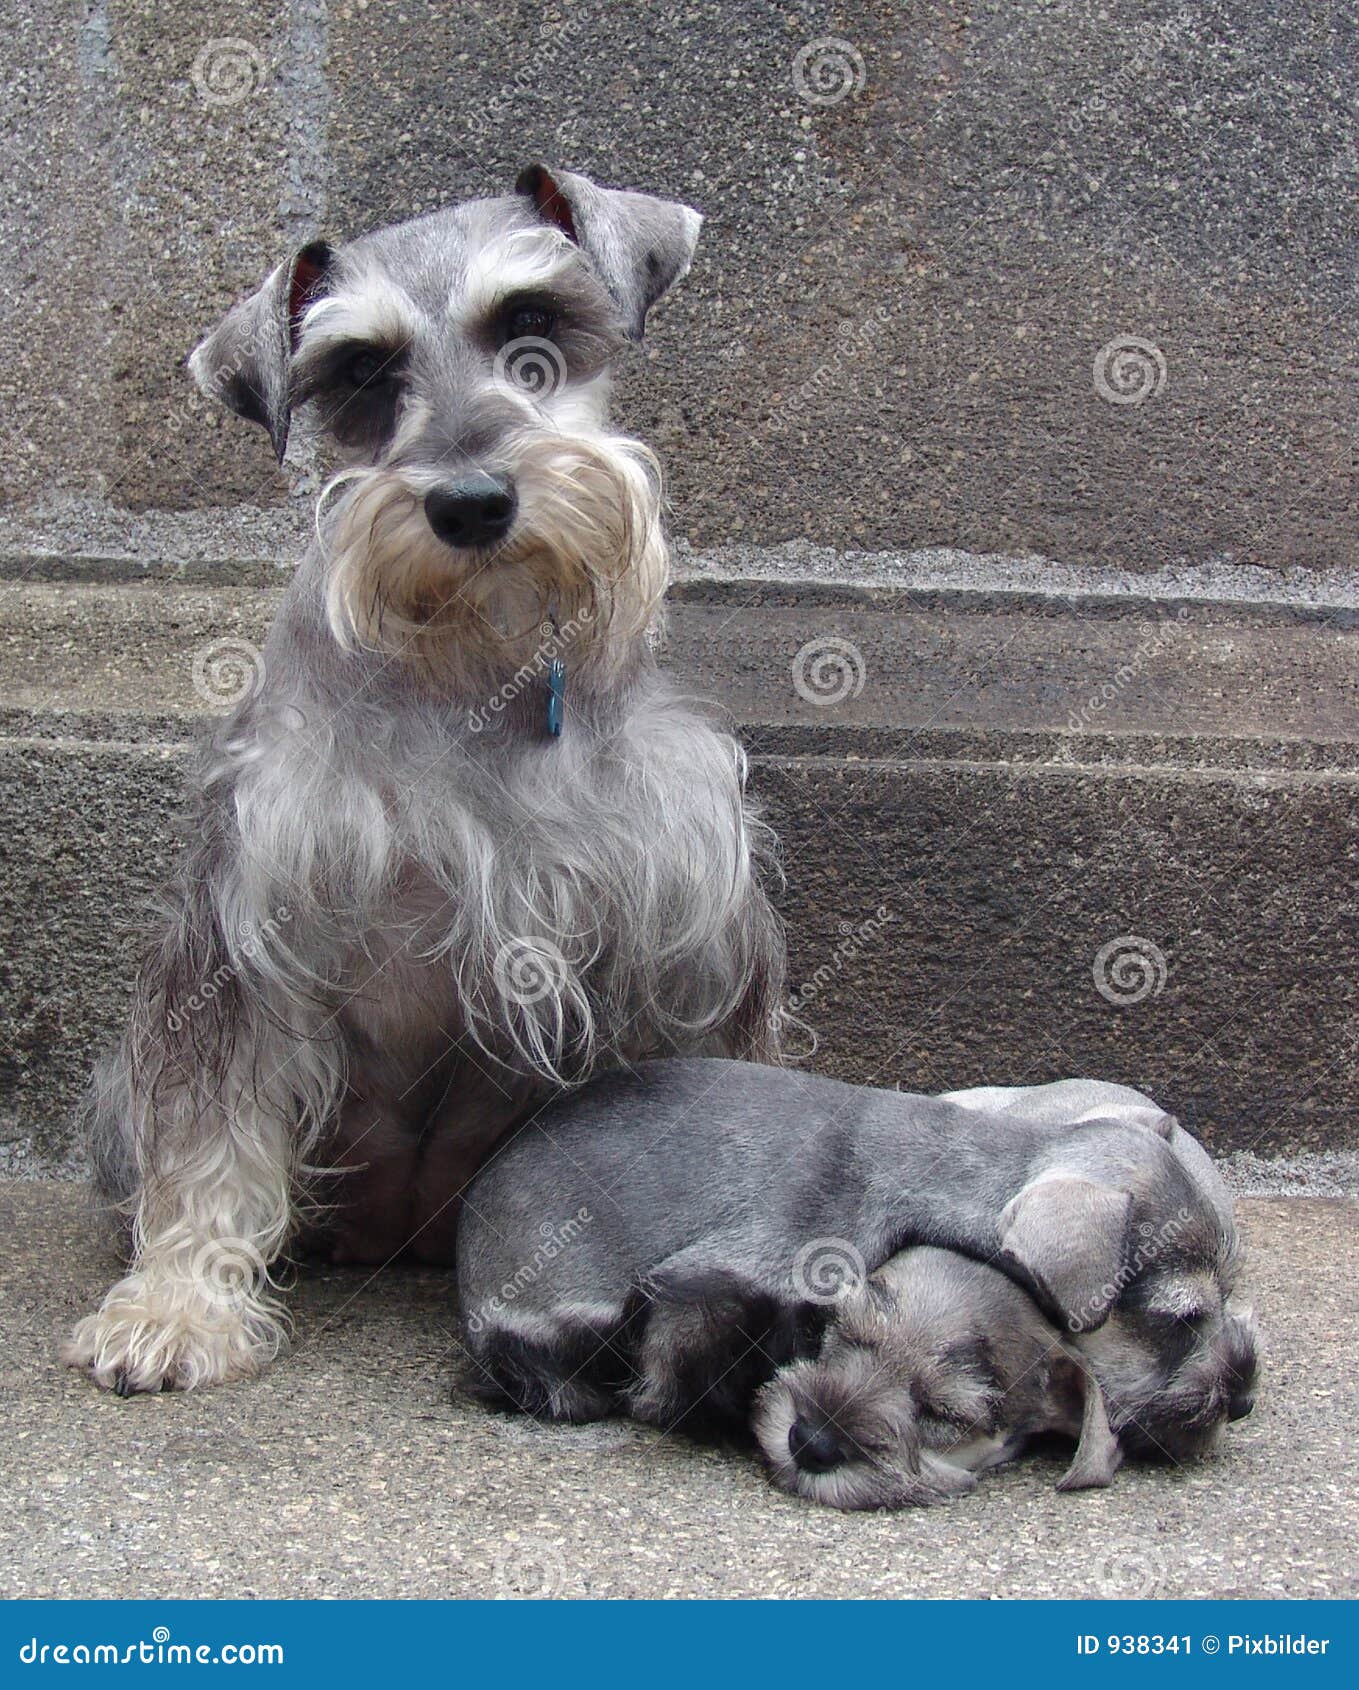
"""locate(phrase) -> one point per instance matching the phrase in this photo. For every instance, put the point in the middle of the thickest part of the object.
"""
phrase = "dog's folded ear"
(639, 245)
(1099, 1455)
(1069, 1234)
(245, 362)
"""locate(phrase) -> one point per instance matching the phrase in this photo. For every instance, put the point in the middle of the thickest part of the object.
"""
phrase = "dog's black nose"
(1240, 1405)
(816, 1449)
(475, 511)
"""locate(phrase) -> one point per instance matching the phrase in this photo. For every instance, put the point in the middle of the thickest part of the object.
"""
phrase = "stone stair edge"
(915, 580)
(1264, 764)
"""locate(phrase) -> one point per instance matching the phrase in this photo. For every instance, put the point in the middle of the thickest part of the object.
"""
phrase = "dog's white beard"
(587, 548)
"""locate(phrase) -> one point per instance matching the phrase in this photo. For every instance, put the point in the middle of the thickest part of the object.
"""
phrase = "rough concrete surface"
(965, 834)
(348, 1470)
(911, 265)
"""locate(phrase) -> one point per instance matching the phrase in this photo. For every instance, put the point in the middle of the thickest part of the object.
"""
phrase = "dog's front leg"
(212, 1212)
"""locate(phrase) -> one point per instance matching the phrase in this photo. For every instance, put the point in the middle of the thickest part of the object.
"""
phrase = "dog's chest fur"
(453, 872)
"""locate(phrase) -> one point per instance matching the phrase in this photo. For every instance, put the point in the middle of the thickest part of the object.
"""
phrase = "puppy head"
(1132, 1242)
(860, 1426)
(1177, 1361)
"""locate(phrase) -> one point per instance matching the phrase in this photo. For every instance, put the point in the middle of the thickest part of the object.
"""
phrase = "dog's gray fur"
(934, 1369)
(704, 1182)
(405, 913)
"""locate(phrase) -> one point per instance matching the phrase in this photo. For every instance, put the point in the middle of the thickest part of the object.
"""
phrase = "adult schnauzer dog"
(463, 843)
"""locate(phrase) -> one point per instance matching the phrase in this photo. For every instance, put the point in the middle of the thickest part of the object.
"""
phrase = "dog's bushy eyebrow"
(559, 299)
(524, 261)
(1184, 1297)
(371, 311)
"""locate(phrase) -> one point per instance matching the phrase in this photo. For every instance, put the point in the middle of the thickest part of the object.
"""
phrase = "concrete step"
(376, 1481)
(1025, 835)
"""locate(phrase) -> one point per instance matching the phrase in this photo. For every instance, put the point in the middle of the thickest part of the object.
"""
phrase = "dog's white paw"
(161, 1336)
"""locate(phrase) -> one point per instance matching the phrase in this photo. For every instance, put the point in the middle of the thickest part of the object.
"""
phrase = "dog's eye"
(367, 367)
(527, 322)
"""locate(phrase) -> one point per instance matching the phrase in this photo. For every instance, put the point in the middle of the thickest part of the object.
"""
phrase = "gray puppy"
(663, 1240)
(935, 1369)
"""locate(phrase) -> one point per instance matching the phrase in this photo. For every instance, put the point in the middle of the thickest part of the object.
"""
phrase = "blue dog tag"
(556, 696)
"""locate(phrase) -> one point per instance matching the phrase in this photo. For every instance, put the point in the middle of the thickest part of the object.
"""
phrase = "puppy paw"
(162, 1337)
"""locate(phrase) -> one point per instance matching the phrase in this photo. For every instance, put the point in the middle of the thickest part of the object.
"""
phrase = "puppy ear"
(639, 245)
(1099, 1455)
(245, 362)
(1069, 1234)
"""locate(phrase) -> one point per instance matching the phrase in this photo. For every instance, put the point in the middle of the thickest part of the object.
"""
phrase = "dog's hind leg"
(710, 1338)
(571, 1365)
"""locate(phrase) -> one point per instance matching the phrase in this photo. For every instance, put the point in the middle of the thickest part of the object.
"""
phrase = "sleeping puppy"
(935, 1369)
(641, 1246)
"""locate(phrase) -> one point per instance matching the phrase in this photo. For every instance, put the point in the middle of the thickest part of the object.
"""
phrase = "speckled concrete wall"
(925, 222)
